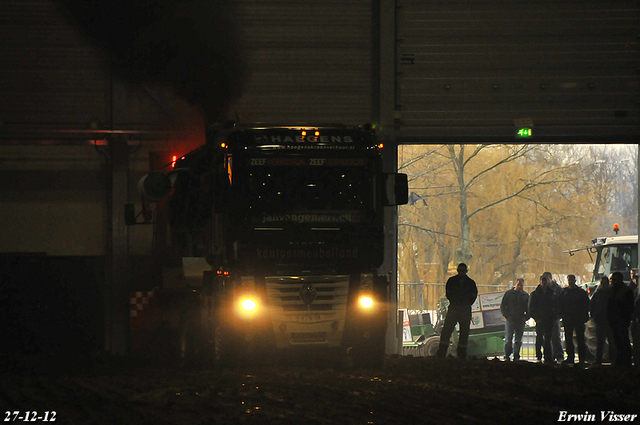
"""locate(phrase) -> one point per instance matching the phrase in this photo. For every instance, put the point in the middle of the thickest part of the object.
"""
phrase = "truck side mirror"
(396, 189)
(155, 186)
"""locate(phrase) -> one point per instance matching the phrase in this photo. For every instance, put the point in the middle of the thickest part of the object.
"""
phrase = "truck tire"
(367, 350)
(195, 342)
(229, 342)
(369, 354)
(229, 349)
(431, 345)
(365, 333)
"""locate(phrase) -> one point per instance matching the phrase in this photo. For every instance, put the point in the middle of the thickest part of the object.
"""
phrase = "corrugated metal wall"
(472, 68)
(50, 75)
(53, 197)
(53, 200)
(308, 61)
(54, 83)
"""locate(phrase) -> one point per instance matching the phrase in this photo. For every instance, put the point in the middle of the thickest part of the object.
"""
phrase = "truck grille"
(287, 293)
(308, 337)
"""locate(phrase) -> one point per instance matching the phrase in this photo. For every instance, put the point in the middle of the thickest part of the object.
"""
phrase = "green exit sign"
(524, 132)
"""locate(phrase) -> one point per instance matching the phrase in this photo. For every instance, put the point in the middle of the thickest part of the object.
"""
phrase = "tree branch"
(522, 150)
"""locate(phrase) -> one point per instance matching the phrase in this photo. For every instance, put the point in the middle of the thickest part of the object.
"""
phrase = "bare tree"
(473, 169)
(609, 180)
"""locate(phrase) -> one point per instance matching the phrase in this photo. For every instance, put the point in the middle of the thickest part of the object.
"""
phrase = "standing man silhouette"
(543, 308)
(573, 307)
(515, 309)
(556, 335)
(619, 312)
(461, 293)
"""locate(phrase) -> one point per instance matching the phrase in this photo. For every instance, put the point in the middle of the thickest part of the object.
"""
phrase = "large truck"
(290, 221)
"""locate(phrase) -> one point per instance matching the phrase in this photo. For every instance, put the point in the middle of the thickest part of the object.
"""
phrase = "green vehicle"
(486, 336)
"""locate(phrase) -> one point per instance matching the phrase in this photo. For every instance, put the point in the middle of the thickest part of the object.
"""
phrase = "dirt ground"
(405, 391)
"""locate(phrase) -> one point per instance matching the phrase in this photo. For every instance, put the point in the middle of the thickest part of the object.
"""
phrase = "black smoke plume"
(190, 44)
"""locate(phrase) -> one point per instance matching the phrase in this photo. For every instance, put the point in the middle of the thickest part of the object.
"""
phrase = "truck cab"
(613, 254)
(291, 220)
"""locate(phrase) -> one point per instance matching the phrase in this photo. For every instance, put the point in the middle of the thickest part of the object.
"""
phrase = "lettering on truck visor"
(303, 162)
(284, 140)
(330, 253)
(311, 218)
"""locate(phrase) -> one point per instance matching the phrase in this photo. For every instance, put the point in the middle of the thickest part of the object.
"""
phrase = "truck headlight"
(365, 298)
(248, 305)
(366, 301)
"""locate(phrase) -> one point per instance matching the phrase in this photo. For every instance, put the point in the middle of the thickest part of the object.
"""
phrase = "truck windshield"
(616, 258)
(341, 186)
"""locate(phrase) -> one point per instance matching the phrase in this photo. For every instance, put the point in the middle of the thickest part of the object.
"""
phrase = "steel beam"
(117, 290)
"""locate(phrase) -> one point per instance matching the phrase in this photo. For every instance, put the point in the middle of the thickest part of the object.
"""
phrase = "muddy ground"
(405, 391)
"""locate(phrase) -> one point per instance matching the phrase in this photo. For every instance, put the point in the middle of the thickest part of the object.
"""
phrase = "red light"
(380, 145)
(174, 158)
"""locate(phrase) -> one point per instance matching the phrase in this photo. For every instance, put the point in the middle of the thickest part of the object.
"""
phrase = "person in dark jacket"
(543, 308)
(633, 284)
(635, 330)
(556, 340)
(619, 311)
(635, 318)
(573, 306)
(514, 307)
(461, 292)
(598, 309)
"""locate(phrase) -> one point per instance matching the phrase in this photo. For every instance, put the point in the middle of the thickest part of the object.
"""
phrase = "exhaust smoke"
(191, 45)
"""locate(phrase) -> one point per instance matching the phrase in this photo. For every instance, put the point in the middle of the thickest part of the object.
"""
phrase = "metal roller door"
(51, 76)
(308, 61)
(478, 69)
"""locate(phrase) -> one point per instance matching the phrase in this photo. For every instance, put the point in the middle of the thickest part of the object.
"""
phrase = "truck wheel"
(229, 347)
(228, 352)
(431, 346)
(368, 352)
(372, 358)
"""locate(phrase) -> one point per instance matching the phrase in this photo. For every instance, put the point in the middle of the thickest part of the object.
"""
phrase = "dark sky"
(191, 44)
